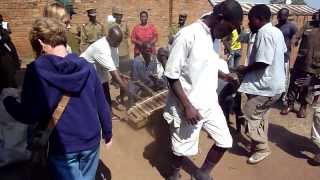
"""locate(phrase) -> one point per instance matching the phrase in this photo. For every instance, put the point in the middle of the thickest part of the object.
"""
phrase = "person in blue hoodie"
(74, 143)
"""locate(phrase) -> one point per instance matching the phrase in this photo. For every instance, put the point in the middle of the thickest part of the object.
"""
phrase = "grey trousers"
(315, 131)
(257, 125)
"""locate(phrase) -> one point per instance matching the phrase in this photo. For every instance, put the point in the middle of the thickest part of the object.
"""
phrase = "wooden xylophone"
(140, 113)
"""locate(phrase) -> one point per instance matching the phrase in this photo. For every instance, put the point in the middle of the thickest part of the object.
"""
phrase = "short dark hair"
(144, 12)
(229, 10)
(284, 9)
(261, 12)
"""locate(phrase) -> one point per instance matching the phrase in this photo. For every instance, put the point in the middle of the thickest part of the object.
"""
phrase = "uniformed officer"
(117, 14)
(91, 31)
(307, 64)
(174, 28)
(124, 59)
(73, 35)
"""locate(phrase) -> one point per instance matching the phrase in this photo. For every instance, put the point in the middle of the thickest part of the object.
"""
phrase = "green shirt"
(124, 45)
(90, 32)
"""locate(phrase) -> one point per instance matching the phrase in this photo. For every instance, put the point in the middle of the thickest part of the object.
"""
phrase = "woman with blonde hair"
(57, 11)
(74, 141)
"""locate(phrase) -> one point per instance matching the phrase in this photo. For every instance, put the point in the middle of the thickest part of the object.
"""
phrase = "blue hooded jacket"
(46, 79)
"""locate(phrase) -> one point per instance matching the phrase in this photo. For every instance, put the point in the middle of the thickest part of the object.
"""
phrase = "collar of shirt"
(264, 27)
(153, 59)
(205, 26)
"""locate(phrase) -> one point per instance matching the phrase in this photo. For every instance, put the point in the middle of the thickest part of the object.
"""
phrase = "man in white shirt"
(264, 79)
(104, 55)
(192, 104)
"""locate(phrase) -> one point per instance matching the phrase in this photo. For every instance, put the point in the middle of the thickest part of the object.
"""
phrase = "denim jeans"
(234, 59)
(74, 166)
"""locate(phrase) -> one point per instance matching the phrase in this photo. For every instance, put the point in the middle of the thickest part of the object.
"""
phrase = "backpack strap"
(59, 111)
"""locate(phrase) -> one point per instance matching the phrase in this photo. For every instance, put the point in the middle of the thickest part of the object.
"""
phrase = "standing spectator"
(288, 30)
(57, 11)
(264, 79)
(144, 33)
(174, 28)
(74, 143)
(192, 104)
(73, 35)
(91, 31)
(104, 55)
(4, 25)
(233, 47)
(315, 130)
(307, 64)
(9, 60)
(123, 48)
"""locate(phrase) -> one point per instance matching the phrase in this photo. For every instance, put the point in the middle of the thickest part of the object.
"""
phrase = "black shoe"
(199, 175)
(175, 175)
(315, 161)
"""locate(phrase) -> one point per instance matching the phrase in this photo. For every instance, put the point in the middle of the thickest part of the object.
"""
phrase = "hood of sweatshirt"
(68, 73)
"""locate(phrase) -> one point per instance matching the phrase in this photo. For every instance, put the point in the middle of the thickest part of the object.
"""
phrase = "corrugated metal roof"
(294, 9)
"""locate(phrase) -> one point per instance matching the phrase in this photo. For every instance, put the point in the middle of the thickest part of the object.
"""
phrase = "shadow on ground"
(289, 142)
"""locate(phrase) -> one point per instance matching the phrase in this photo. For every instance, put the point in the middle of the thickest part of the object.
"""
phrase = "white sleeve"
(178, 56)
(223, 66)
(104, 58)
(265, 49)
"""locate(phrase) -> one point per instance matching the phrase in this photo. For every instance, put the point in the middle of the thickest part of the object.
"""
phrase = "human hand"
(192, 115)
(305, 81)
(109, 144)
(241, 69)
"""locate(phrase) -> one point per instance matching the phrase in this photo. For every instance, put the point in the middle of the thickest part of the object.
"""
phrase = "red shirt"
(145, 34)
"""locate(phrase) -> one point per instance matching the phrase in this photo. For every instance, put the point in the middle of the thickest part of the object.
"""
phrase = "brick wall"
(21, 14)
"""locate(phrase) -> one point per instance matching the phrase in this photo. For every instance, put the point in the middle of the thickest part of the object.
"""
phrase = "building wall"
(21, 14)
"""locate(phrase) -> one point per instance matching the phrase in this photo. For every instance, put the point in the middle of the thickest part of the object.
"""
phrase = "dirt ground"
(142, 154)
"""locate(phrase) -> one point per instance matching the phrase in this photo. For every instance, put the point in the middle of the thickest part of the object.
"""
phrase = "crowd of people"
(67, 88)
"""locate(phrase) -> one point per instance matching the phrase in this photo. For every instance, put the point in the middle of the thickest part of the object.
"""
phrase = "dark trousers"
(8, 70)
(230, 101)
(107, 93)
(297, 93)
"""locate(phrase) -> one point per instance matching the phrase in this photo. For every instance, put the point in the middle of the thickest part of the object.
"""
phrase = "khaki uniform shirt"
(124, 45)
(90, 32)
(73, 37)
(173, 29)
(308, 59)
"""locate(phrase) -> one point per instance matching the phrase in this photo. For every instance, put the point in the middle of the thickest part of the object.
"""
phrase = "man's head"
(1, 18)
(114, 36)
(162, 56)
(92, 14)
(259, 15)
(117, 14)
(146, 51)
(182, 19)
(47, 33)
(315, 19)
(144, 17)
(283, 15)
(226, 17)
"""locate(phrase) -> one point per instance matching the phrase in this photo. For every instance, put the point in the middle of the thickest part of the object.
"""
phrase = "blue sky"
(312, 3)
